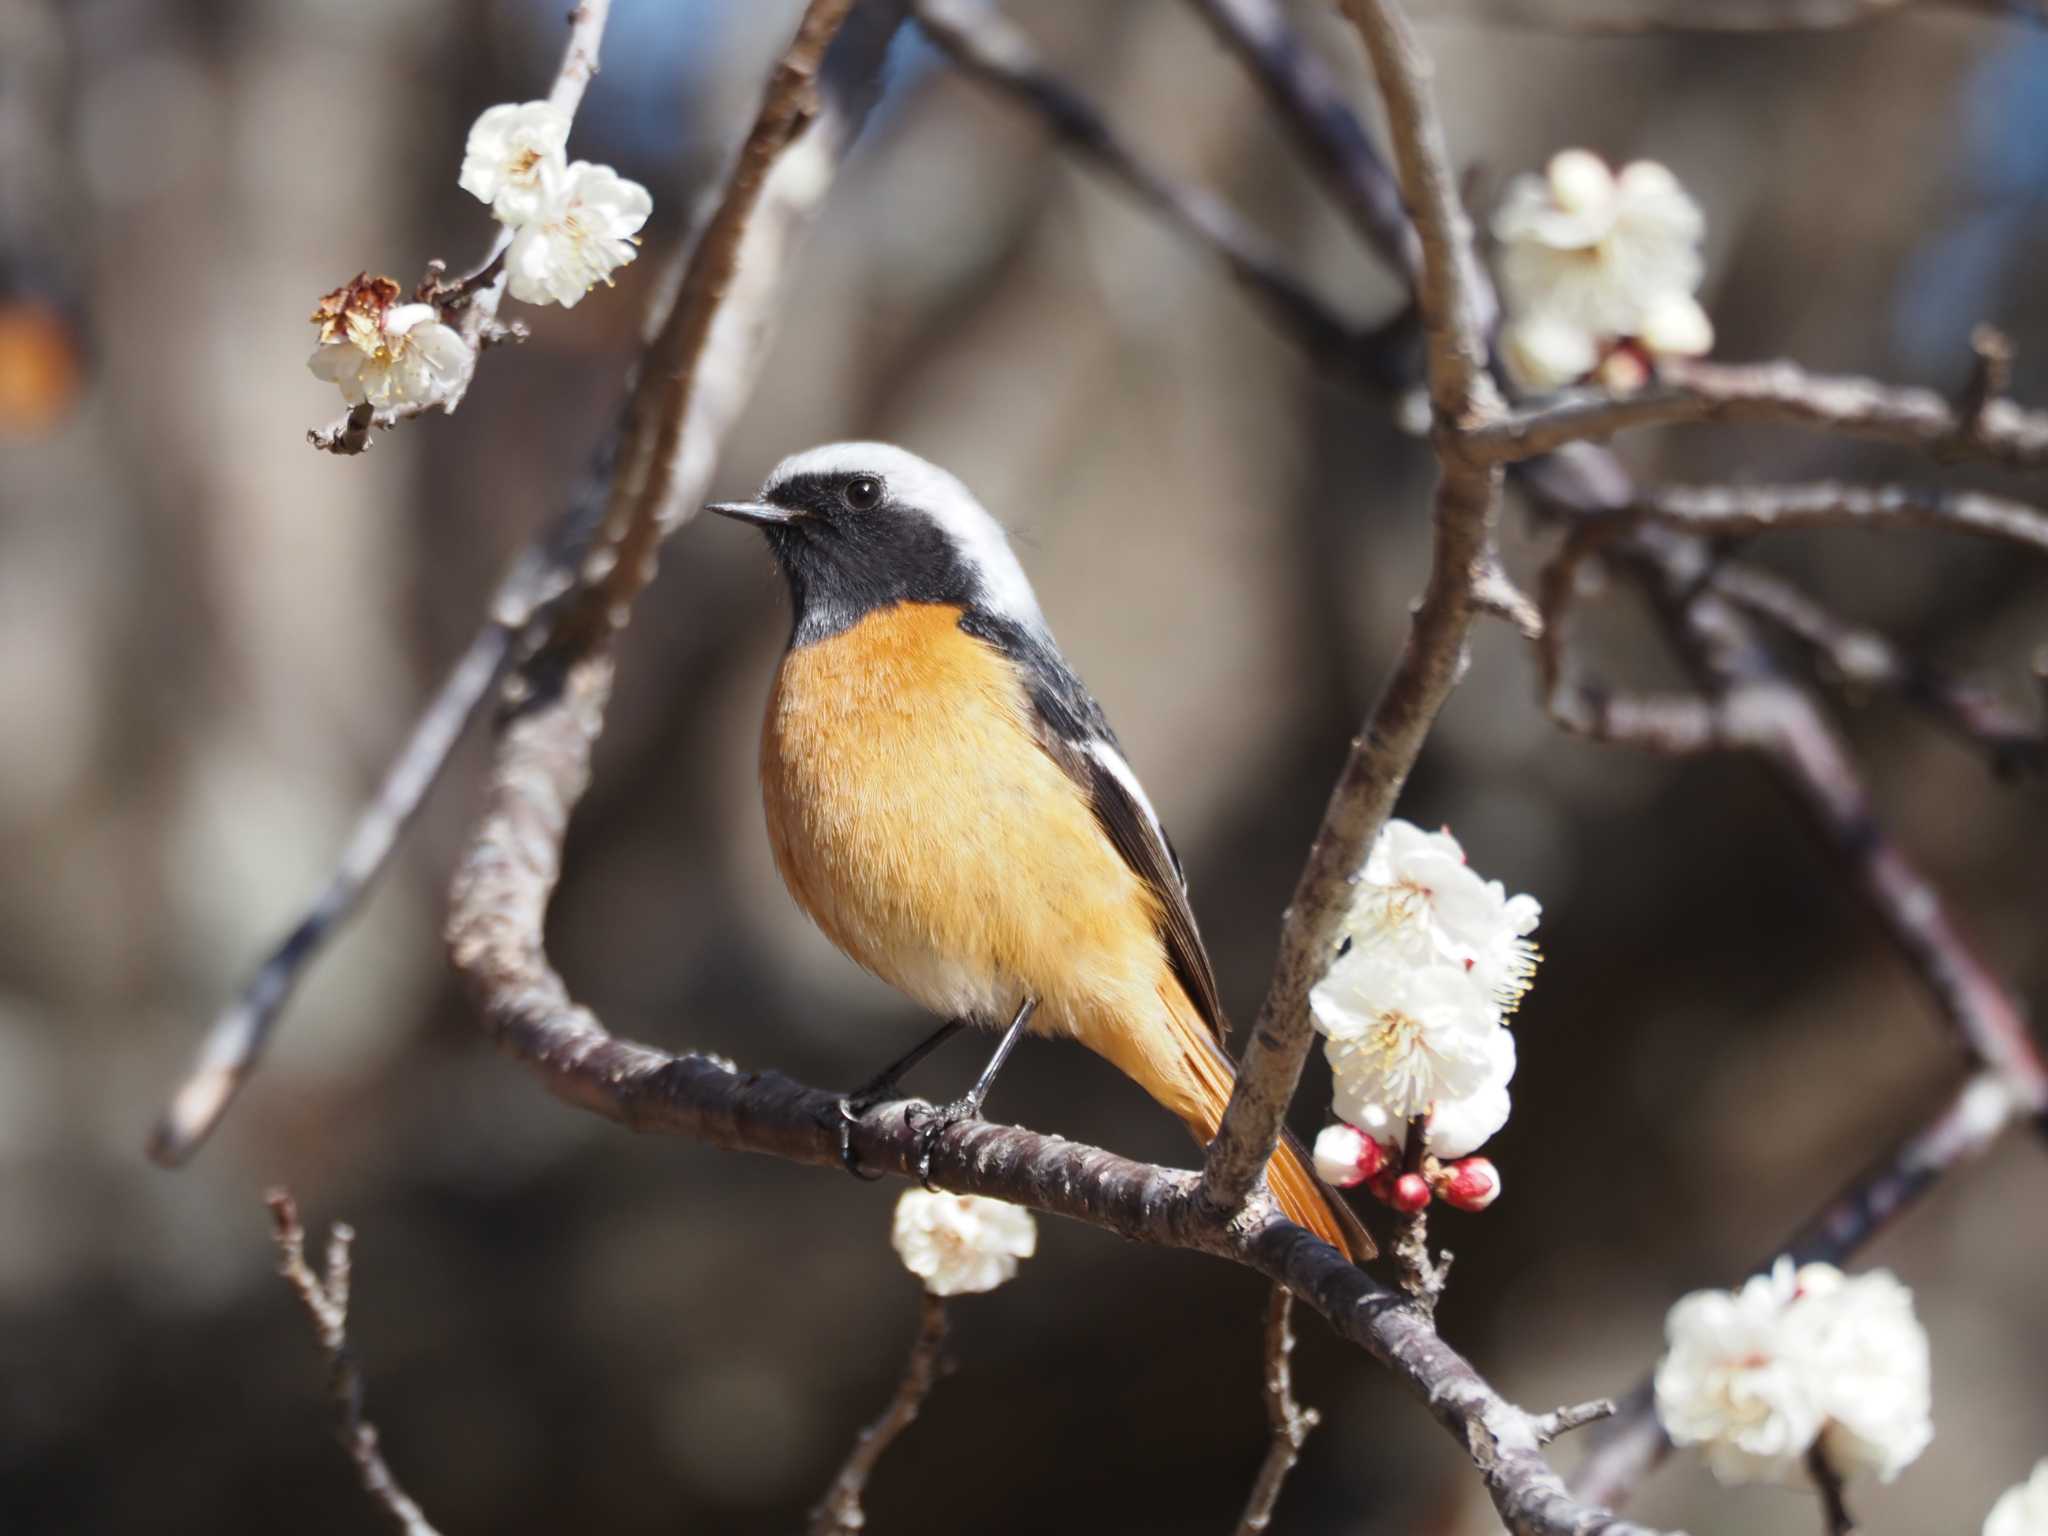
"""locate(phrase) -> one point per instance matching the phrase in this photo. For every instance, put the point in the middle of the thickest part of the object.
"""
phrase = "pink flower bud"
(1470, 1184)
(1345, 1155)
(1411, 1193)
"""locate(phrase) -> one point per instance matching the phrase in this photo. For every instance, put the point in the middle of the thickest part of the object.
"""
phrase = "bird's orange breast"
(917, 820)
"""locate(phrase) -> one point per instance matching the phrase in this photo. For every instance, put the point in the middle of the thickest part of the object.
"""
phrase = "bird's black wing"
(1076, 735)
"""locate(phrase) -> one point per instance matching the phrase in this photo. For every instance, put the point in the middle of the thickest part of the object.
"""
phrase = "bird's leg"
(883, 1086)
(931, 1124)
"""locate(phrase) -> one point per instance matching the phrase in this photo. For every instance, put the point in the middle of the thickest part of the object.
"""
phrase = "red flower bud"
(1470, 1184)
(1411, 1193)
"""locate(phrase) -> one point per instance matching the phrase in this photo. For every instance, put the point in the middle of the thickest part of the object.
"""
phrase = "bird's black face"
(849, 547)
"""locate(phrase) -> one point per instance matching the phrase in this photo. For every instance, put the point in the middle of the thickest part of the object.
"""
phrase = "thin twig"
(1449, 286)
(1433, 652)
(1860, 660)
(1423, 1275)
(839, 1513)
(238, 1035)
(471, 303)
(1311, 105)
(1833, 1503)
(1773, 394)
(1991, 359)
(1769, 714)
(1562, 1421)
(1741, 511)
(325, 1299)
(1624, 18)
(1963, 1129)
(987, 47)
(1671, 724)
(350, 434)
(1290, 1422)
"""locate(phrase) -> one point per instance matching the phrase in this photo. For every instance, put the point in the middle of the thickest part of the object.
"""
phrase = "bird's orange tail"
(1306, 1199)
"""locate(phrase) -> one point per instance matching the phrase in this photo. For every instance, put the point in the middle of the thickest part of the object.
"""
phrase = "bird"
(947, 802)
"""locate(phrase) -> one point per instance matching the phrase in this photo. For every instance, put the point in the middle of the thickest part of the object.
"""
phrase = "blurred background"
(212, 637)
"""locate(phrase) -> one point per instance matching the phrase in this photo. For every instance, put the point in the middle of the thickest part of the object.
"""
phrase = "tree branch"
(1311, 105)
(1433, 652)
(988, 48)
(1742, 511)
(326, 1302)
(1610, 18)
(839, 1513)
(1769, 714)
(1775, 394)
(233, 1044)
(1861, 659)
(1290, 1422)
(1828, 1482)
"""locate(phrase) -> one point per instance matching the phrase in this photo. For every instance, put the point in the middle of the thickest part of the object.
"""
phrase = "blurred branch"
(1671, 724)
(1740, 511)
(1290, 1422)
(471, 302)
(1828, 1482)
(238, 1035)
(1860, 659)
(1608, 18)
(990, 49)
(1775, 394)
(839, 1513)
(1433, 652)
(1311, 105)
(1766, 713)
(1747, 703)
(1965, 1127)
(326, 1302)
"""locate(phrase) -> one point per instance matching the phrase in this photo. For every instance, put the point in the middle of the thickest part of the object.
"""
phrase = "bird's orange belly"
(917, 821)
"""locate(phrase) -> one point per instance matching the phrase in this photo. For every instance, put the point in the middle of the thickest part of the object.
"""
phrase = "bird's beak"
(753, 511)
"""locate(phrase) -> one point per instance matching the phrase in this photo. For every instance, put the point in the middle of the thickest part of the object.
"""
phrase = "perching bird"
(947, 802)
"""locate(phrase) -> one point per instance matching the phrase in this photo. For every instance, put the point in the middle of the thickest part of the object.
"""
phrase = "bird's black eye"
(863, 493)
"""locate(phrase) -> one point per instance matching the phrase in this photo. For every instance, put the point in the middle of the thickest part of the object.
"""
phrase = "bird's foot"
(841, 1117)
(848, 1111)
(931, 1121)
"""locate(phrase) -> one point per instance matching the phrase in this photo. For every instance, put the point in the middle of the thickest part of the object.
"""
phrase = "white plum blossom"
(1758, 1376)
(1422, 901)
(583, 234)
(515, 158)
(1413, 1008)
(386, 354)
(1869, 1357)
(2021, 1510)
(572, 224)
(959, 1244)
(1406, 1040)
(1590, 260)
(1732, 1383)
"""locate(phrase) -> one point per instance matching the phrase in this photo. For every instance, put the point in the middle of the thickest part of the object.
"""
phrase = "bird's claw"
(928, 1122)
(844, 1115)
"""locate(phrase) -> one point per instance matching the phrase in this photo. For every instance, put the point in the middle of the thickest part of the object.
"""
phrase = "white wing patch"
(1121, 771)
